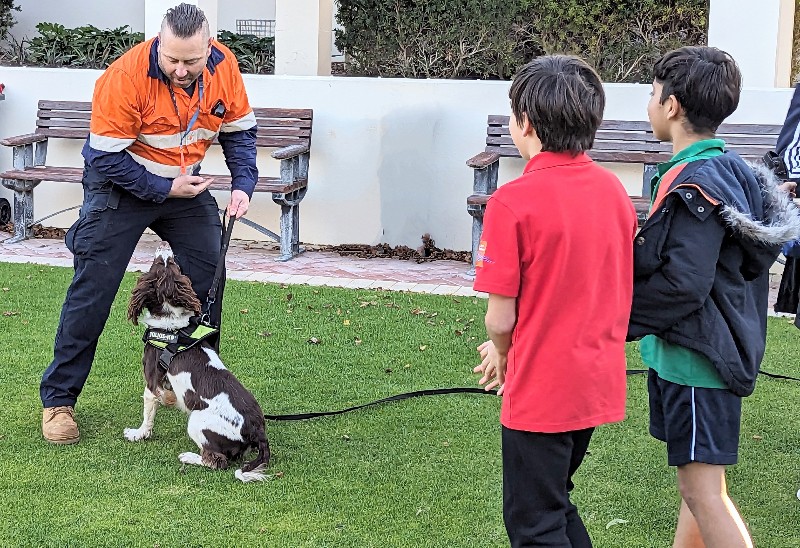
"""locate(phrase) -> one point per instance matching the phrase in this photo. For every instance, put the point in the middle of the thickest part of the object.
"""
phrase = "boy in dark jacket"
(701, 264)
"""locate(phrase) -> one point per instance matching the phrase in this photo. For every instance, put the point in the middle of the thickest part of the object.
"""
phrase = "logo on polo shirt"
(482, 255)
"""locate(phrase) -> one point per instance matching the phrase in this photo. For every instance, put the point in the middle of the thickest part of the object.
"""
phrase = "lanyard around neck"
(185, 133)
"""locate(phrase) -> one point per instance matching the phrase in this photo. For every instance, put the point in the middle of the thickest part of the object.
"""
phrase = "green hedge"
(90, 47)
(492, 38)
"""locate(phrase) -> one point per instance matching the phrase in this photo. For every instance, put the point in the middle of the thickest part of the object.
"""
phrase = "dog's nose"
(164, 251)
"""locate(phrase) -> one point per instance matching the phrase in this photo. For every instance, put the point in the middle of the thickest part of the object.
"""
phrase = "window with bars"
(256, 27)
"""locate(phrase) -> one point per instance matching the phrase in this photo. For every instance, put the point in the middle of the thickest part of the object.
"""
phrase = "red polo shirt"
(560, 240)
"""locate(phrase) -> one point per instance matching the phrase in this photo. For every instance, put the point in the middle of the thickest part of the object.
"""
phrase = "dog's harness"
(175, 342)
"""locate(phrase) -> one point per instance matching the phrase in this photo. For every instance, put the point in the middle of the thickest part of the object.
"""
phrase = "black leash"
(212, 292)
(777, 376)
(399, 397)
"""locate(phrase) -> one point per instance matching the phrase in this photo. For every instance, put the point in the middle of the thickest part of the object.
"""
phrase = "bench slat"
(283, 132)
(59, 174)
(283, 122)
(54, 123)
(75, 175)
(264, 184)
(65, 105)
(302, 113)
(64, 133)
(49, 114)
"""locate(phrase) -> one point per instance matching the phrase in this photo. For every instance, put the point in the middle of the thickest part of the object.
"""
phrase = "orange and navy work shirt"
(137, 137)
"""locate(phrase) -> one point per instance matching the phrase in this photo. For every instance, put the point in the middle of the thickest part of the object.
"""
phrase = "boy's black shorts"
(698, 424)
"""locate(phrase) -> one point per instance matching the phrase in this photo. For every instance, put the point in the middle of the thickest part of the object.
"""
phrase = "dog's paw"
(257, 474)
(190, 458)
(136, 434)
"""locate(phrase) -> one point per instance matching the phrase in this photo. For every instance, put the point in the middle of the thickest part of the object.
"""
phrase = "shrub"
(90, 47)
(82, 47)
(492, 38)
(430, 38)
(256, 55)
(6, 17)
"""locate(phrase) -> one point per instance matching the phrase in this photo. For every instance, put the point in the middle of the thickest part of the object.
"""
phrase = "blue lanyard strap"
(196, 112)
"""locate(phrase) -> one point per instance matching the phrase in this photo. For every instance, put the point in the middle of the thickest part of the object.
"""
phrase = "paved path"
(255, 261)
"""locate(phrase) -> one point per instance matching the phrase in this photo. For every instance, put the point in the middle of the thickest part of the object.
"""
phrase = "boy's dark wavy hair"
(706, 82)
(563, 98)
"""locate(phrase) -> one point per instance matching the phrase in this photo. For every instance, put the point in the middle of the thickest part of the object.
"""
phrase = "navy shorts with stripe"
(697, 424)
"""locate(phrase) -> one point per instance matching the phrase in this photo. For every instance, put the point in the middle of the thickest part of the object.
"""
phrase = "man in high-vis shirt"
(155, 112)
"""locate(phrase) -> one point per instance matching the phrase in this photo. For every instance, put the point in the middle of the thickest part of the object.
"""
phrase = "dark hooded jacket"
(701, 264)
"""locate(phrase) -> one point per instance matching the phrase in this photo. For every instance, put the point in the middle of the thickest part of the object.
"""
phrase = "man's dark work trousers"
(102, 241)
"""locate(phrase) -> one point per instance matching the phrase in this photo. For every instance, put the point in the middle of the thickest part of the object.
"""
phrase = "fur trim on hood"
(781, 220)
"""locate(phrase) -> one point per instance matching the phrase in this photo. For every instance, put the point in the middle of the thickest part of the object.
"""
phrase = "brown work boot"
(59, 426)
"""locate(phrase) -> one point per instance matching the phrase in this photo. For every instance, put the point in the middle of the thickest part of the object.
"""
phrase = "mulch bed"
(424, 253)
(39, 231)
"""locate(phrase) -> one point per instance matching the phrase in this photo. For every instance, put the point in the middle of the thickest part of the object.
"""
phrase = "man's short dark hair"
(705, 81)
(563, 98)
(185, 20)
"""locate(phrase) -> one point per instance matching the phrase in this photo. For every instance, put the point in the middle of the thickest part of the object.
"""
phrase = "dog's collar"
(174, 342)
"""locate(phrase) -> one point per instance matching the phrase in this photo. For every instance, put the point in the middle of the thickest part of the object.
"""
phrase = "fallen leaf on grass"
(244, 311)
(346, 322)
(757, 437)
(423, 347)
(616, 521)
(417, 311)
(314, 340)
(10, 313)
(264, 334)
(357, 340)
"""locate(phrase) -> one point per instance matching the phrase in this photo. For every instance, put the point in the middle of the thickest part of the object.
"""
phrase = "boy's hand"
(493, 367)
(790, 187)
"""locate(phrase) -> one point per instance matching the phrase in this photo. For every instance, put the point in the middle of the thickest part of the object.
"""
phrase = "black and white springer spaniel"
(225, 420)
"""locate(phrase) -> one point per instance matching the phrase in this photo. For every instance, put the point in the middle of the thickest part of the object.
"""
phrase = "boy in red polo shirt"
(556, 259)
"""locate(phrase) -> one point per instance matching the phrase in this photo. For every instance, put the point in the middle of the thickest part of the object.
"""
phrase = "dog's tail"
(255, 470)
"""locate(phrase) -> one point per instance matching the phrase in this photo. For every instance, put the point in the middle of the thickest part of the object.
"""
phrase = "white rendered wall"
(231, 10)
(155, 10)
(103, 15)
(388, 155)
(303, 37)
(116, 13)
(758, 34)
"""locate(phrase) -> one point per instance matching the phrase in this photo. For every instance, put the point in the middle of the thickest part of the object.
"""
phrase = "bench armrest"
(483, 160)
(290, 152)
(20, 140)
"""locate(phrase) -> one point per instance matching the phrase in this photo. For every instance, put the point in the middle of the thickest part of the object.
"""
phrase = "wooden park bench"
(288, 131)
(616, 141)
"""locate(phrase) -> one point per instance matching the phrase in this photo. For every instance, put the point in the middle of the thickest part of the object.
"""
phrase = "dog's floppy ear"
(176, 288)
(185, 295)
(141, 291)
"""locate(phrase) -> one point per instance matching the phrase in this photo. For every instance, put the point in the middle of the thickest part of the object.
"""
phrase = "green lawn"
(419, 473)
